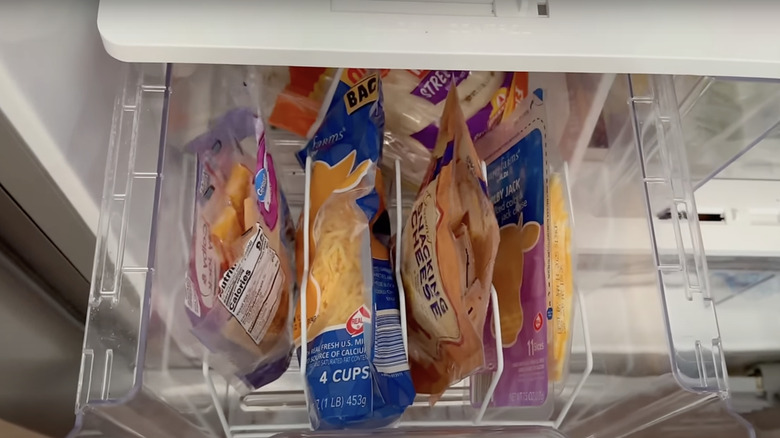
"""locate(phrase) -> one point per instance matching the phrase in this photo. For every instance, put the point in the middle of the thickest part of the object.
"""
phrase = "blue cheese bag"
(356, 367)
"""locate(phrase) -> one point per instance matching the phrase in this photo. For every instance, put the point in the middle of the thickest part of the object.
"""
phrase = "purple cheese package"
(240, 285)
(514, 153)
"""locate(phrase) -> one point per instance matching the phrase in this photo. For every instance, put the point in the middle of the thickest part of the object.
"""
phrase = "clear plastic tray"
(642, 279)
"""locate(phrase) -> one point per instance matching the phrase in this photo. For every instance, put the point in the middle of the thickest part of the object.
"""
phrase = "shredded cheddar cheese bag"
(356, 367)
(240, 286)
(449, 246)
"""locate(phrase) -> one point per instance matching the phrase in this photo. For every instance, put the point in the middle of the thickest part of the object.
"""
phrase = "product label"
(427, 294)
(191, 297)
(206, 264)
(338, 370)
(486, 117)
(265, 186)
(433, 86)
(338, 367)
(389, 356)
(251, 289)
(516, 184)
(362, 93)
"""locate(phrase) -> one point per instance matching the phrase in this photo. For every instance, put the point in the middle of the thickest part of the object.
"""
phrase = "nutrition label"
(251, 289)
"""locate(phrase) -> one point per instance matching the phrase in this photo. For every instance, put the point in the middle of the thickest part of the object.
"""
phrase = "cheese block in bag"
(515, 153)
(240, 286)
(449, 246)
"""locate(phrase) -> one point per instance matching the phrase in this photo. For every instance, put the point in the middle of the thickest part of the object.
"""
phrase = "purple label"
(433, 87)
(427, 136)
(524, 381)
(479, 123)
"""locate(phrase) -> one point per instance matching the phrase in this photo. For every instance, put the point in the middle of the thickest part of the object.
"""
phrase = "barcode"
(389, 355)
(190, 297)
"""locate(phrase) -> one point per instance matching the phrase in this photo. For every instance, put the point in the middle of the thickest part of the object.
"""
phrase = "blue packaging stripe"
(516, 179)
(359, 377)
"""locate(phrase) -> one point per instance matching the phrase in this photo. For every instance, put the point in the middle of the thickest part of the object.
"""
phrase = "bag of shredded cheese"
(449, 246)
(356, 367)
(239, 289)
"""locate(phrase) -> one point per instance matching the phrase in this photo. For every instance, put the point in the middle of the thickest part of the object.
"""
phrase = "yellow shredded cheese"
(336, 275)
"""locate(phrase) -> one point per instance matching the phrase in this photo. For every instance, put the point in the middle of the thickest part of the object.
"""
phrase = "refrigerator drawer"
(645, 324)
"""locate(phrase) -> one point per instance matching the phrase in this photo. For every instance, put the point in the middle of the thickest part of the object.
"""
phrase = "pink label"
(433, 86)
(265, 186)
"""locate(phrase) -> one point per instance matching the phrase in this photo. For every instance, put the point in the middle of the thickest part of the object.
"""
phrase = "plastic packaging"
(448, 250)
(560, 269)
(356, 367)
(414, 101)
(516, 167)
(297, 106)
(239, 288)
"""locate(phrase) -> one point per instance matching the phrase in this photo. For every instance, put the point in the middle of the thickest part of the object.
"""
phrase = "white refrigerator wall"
(57, 88)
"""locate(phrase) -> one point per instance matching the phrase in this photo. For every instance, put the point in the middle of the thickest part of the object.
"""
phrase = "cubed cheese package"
(240, 287)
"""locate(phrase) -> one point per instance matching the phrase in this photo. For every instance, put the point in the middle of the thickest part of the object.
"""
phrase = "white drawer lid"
(725, 38)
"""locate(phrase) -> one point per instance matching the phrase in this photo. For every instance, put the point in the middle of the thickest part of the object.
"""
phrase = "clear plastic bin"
(642, 276)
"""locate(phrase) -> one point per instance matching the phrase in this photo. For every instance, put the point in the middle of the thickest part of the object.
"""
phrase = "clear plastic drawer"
(646, 342)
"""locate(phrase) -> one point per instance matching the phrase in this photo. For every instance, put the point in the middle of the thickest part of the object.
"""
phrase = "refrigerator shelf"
(522, 35)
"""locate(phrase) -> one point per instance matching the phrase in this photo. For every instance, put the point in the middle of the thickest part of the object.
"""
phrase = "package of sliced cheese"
(240, 285)
(414, 103)
(514, 153)
(356, 367)
(533, 271)
(448, 250)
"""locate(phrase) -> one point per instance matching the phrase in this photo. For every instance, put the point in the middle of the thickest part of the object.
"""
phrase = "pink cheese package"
(240, 287)
(515, 156)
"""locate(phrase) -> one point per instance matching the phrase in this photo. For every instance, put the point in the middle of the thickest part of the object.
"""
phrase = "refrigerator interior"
(637, 147)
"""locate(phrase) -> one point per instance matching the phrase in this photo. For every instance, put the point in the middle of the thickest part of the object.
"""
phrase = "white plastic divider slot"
(303, 353)
(399, 222)
(499, 347)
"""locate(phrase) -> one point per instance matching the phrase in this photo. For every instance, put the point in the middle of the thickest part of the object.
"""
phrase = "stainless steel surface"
(39, 359)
